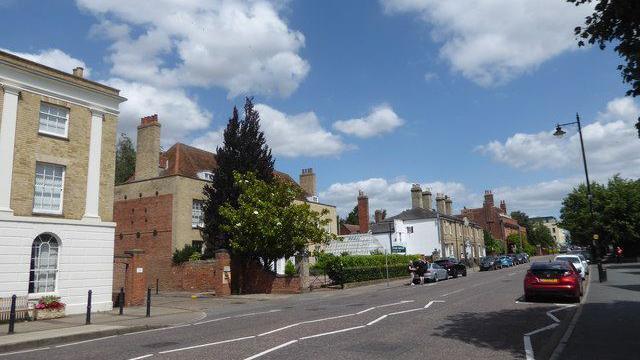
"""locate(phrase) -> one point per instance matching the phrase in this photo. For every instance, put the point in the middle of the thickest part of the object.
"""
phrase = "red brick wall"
(145, 223)
(260, 281)
(203, 276)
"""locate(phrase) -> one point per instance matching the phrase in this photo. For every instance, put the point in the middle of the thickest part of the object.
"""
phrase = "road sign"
(397, 249)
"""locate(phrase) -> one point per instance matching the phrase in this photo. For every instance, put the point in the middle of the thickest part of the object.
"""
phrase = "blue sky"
(374, 95)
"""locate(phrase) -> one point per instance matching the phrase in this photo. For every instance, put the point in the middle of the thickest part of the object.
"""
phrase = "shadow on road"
(635, 287)
(498, 330)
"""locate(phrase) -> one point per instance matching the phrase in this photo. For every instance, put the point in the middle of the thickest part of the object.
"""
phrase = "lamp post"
(559, 133)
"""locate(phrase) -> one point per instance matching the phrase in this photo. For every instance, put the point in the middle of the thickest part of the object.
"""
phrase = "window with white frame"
(49, 187)
(206, 175)
(197, 214)
(44, 264)
(409, 229)
(54, 120)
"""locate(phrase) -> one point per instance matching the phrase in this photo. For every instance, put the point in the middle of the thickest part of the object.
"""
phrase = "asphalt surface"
(478, 316)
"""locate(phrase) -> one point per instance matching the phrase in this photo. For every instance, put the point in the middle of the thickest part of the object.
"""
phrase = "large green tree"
(615, 22)
(352, 217)
(125, 159)
(616, 214)
(493, 246)
(267, 225)
(244, 150)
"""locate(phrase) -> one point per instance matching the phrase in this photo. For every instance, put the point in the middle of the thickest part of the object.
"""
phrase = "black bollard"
(121, 300)
(157, 286)
(88, 319)
(12, 315)
(602, 273)
(148, 302)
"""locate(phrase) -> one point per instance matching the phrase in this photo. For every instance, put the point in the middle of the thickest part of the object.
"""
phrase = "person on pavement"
(619, 253)
(412, 272)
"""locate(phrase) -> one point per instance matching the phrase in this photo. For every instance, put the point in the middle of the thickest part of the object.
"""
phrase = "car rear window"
(552, 269)
(575, 260)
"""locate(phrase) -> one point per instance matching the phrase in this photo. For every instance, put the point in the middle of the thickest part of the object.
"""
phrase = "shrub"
(354, 268)
(195, 256)
(289, 268)
(183, 255)
(50, 302)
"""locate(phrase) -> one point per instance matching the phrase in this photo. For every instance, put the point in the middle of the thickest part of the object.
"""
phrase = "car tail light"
(569, 276)
(530, 278)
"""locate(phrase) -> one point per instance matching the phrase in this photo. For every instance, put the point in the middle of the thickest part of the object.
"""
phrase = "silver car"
(435, 273)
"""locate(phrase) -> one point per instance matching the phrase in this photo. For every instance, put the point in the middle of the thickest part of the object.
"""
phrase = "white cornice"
(20, 79)
(10, 89)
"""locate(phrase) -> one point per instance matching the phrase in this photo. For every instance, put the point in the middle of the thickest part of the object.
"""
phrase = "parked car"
(525, 256)
(453, 266)
(559, 278)
(585, 253)
(504, 261)
(576, 261)
(514, 259)
(488, 263)
(435, 273)
(585, 262)
(520, 258)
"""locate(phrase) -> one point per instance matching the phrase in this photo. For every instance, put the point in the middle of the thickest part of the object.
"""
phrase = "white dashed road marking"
(272, 349)
(332, 332)
(205, 345)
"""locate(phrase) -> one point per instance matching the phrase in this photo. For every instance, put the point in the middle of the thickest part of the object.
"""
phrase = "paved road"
(473, 317)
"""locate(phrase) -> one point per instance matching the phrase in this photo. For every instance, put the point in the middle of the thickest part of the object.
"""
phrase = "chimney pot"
(79, 72)
(416, 196)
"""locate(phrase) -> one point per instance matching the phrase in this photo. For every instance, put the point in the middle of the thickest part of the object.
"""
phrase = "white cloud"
(241, 46)
(492, 41)
(394, 196)
(382, 119)
(54, 58)
(178, 113)
(430, 76)
(287, 135)
(611, 145)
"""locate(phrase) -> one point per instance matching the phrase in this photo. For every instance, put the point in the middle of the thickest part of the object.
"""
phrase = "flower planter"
(45, 314)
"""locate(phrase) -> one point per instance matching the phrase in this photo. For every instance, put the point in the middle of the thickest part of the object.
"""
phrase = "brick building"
(57, 167)
(495, 220)
(159, 210)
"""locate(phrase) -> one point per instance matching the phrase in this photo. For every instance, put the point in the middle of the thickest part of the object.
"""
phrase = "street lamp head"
(559, 132)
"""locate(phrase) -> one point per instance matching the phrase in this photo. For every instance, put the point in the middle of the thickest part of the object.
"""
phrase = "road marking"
(548, 327)
(325, 319)
(142, 357)
(405, 311)
(366, 310)
(24, 351)
(431, 303)
(512, 274)
(528, 349)
(332, 332)
(85, 341)
(453, 292)
(257, 313)
(212, 320)
(396, 303)
(272, 349)
(564, 307)
(208, 344)
(279, 329)
(376, 320)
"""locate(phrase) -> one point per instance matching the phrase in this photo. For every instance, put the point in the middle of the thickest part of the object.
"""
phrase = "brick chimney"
(427, 203)
(79, 72)
(148, 148)
(448, 205)
(440, 205)
(308, 182)
(503, 207)
(488, 199)
(416, 196)
(379, 215)
(363, 212)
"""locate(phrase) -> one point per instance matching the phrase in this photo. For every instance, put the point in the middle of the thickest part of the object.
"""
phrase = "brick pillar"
(136, 282)
(223, 268)
(363, 212)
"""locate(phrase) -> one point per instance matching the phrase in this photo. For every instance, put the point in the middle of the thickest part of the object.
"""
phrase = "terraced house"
(57, 163)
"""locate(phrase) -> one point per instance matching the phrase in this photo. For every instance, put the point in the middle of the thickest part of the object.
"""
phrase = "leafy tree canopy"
(617, 22)
(352, 217)
(492, 245)
(125, 159)
(266, 224)
(616, 214)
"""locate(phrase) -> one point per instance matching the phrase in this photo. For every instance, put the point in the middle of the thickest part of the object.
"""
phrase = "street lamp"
(559, 133)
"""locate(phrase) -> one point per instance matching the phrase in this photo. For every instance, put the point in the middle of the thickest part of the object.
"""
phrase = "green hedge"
(354, 268)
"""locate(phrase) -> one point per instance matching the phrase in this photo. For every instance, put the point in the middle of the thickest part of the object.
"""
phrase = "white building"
(57, 156)
(413, 231)
(559, 234)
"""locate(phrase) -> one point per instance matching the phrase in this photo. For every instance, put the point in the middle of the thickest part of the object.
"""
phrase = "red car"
(555, 278)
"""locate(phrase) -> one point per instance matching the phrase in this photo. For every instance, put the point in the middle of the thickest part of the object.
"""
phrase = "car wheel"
(464, 273)
(455, 274)
(435, 278)
(528, 298)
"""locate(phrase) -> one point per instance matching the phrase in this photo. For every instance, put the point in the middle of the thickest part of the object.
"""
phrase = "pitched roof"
(188, 161)
(348, 229)
(414, 214)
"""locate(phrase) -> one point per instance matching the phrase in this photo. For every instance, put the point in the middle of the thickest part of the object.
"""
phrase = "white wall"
(423, 240)
(85, 260)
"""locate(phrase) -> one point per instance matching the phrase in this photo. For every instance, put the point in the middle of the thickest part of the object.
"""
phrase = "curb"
(22, 345)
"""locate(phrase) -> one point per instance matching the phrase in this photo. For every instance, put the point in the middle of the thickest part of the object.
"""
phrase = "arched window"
(44, 264)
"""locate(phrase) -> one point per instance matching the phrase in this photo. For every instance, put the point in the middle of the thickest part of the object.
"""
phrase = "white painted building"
(57, 155)
(415, 231)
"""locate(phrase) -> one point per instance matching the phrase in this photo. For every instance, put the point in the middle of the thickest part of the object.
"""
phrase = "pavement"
(608, 324)
(478, 316)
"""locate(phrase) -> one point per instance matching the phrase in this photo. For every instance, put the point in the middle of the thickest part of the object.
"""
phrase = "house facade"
(57, 155)
(495, 220)
(160, 209)
(425, 230)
